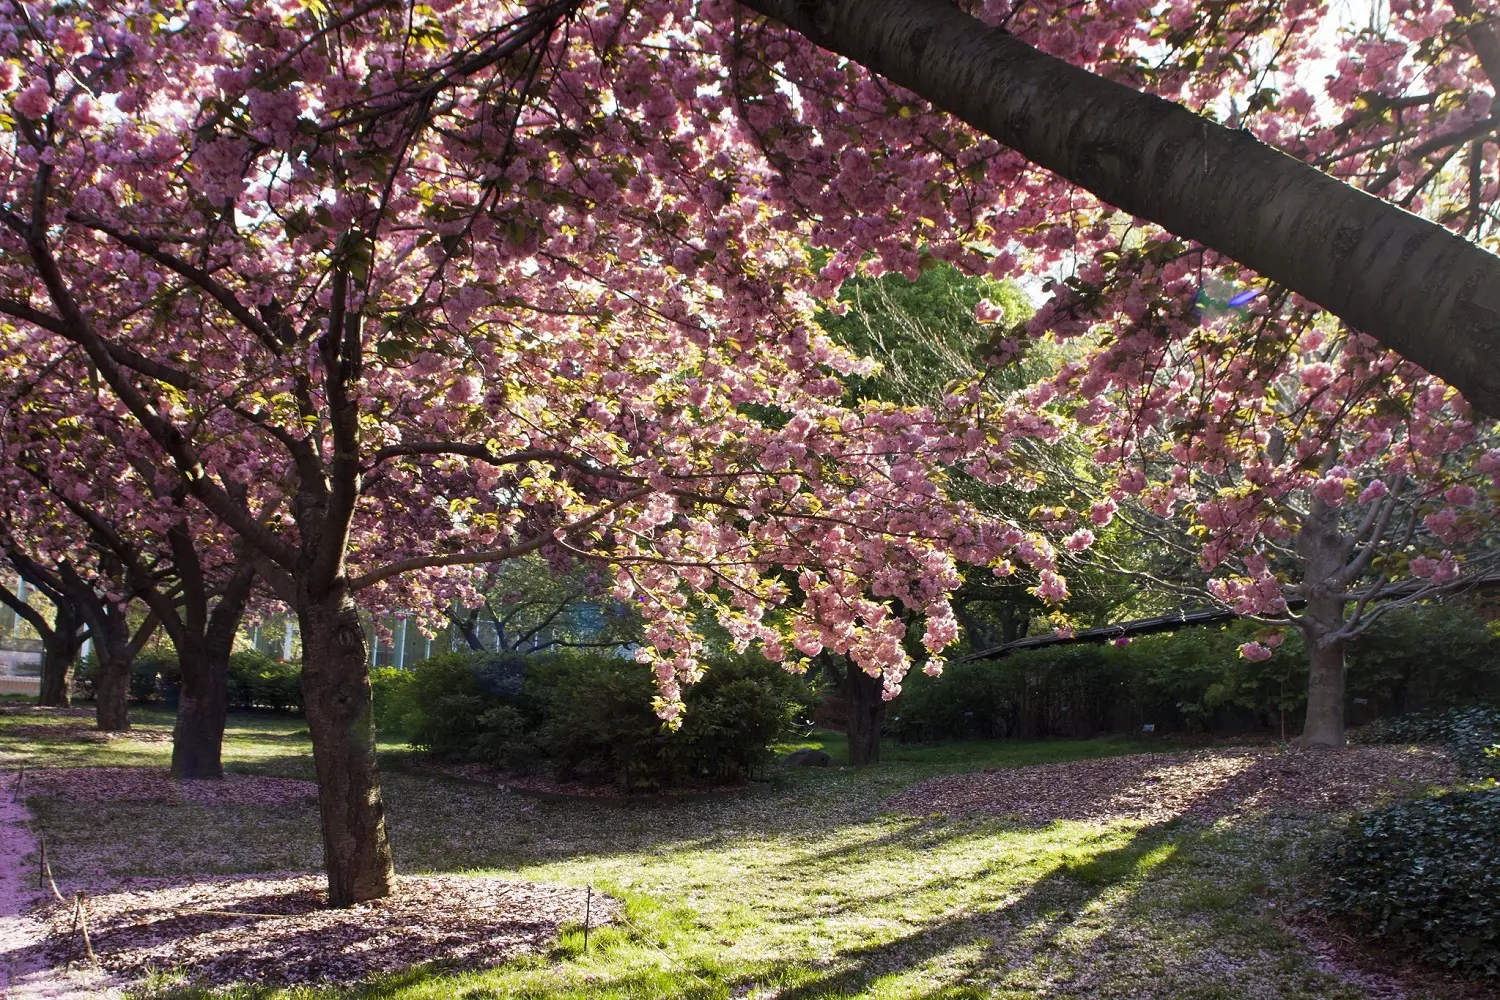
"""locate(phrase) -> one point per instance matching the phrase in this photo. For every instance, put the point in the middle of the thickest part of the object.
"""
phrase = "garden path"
(26, 973)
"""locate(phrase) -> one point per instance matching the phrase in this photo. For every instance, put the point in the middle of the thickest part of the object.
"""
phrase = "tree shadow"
(1034, 911)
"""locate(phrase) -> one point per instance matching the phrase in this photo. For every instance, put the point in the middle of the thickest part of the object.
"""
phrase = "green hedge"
(1415, 659)
(1424, 877)
(589, 717)
(260, 681)
(155, 678)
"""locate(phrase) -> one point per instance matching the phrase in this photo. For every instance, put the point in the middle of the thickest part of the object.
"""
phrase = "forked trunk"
(59, 655)
(202, 704)
(112, 690)
(204, 642)
(340, 716)
(866, 713)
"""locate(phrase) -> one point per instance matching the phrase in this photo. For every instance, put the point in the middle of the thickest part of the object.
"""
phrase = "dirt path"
(25, 973)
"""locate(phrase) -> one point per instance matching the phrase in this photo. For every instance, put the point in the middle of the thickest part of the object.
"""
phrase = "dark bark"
(340, 717)
(116, 660)
(203, 646)
(866, 715)
(1409, 283)
(116, 648)
(112, 692)
(60, 647)
(61, 638)
(202, 707)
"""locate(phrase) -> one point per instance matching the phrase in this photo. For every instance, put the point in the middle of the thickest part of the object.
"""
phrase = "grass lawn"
(799, 888)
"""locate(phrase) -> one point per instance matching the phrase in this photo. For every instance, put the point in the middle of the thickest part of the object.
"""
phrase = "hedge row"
(255, 681)
(1471, 736)
(1414, 659)
(589, 716)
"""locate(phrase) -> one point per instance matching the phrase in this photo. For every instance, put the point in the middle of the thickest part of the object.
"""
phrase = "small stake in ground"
(588, 913)
(88, 946)
(20, 777)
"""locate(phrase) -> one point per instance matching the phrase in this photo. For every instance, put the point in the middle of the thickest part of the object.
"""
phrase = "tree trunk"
(112, 689)
(202, 707)
(59, 655)
(57, 675)
(1409, 283)
(1325, 691)
(866, 713)
(1323, 549)
(340, 717)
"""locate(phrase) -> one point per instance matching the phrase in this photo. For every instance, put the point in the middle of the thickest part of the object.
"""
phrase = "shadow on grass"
(1034, 914)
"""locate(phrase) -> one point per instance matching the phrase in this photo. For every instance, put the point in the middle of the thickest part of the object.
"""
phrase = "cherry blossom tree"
(1347, 483)
(84, 494)
(391, 290)
(90, 597)
(1063, 88)
(442, 304)
(62, 637)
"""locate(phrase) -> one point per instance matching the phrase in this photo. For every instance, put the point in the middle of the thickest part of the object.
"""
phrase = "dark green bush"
(1194, 678)
(446, 697)
(260, 681)
(1424, 876)
(1424, 659)
(155, 677)
(392, 693)
(589, 717)
(1469, 735)
(1428, 657)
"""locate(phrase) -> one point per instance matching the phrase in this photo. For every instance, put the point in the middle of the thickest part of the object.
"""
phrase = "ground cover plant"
(808, 886)
(1471, 736)
(1422, 877)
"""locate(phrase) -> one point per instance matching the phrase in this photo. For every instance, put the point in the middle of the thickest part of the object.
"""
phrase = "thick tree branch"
(1409, 283)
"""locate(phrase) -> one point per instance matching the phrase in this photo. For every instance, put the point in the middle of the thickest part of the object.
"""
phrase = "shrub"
(260, 681)
(155, 677)
(1468, 734)
(1426, 657)
(589, 717)
(393, 703)
(1422, 877)
(448, 694)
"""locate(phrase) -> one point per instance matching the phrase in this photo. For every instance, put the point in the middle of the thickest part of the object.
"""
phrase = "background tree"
(530, 605)
(1357, 485)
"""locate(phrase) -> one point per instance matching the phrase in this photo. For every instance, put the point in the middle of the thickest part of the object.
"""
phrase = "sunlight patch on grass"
(800, 888)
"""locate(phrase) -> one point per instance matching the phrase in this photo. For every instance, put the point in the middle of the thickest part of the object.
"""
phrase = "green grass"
(799, 888)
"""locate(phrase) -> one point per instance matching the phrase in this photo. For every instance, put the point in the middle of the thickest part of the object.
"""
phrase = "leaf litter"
(151, 784)
(1201, 786)
(275, 928)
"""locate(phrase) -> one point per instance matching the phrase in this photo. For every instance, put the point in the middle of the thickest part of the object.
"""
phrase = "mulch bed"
(542, 787)
(74, 732)
(275, 929)
(1200, 786)
(150, 784)
(71, 712)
